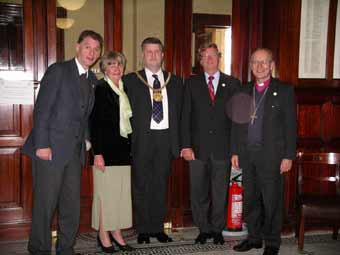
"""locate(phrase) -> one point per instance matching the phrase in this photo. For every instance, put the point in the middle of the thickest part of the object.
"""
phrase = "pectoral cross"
(253, 117)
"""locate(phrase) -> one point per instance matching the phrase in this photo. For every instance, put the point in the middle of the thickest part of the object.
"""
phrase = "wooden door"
(16, 63)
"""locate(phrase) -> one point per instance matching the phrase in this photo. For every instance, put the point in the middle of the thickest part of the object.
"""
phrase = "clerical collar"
(262, 86)
(81, 69)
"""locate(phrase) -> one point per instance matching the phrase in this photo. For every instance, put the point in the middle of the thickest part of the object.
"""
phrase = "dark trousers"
(55, 188)
(209, 185)
(263, 197)
(151, 170)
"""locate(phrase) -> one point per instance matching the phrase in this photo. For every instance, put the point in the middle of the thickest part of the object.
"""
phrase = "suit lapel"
(222, 87)
(145, 89)
(75, 82)
(111, 95)
(204, 89)
(92, 82)
(269, 100)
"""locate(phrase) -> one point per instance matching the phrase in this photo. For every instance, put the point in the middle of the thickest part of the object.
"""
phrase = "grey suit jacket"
(205, 127)
(140, 100)
(60, 117)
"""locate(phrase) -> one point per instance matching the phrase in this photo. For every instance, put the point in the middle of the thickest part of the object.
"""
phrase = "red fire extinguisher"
(234, 215)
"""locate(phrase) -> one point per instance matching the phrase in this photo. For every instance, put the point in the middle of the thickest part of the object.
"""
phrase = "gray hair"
(109, 57)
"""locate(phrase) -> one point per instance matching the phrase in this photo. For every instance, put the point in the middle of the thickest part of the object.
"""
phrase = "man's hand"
(99, 162)
(188, 154)
(286, 165)
(44, 153)
(234, 162)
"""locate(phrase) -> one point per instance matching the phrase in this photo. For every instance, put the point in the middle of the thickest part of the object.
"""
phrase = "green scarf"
(125, 112)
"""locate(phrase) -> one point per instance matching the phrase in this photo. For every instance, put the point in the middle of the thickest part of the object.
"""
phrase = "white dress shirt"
(164, 124)
(81, 69)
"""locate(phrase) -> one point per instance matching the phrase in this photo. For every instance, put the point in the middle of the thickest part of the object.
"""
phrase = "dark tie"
(85, 90)
(157, 108)
(211, 88)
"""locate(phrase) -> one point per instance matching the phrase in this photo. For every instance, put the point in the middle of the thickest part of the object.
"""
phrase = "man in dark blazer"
(57, 145)
(264, 147)
(205, 132)
(156, 98)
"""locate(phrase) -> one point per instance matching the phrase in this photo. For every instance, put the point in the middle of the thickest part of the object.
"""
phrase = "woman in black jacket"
(110, 127)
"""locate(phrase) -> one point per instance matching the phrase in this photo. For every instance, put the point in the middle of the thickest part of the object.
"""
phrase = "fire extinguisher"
(234, 215)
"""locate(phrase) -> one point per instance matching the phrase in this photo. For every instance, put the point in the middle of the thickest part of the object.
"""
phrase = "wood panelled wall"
(256, 23)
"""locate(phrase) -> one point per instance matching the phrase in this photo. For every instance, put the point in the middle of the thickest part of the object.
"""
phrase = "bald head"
(264, 51)
(262, 64)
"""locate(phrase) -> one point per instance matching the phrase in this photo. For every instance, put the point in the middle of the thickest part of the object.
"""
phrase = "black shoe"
(246, 245)
(110, 249)
(162, 237)
(121, 247)
(268, 250)
(202, 238)
(218, 238)
(143, 238)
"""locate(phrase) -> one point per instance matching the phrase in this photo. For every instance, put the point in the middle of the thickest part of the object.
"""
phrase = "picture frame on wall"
(336, 66)
(313, 39)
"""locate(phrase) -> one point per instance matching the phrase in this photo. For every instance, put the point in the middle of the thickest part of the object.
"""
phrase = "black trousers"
(150, 173)
(55, 189)
(208, 188)
(263, 197)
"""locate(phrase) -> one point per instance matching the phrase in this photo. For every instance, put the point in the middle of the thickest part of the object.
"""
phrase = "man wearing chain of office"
(264, 147)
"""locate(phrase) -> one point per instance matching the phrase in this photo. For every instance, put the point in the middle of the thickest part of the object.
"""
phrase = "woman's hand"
(99, 162)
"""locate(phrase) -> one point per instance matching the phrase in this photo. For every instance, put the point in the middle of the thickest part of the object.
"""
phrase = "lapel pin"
(223, 84)
(275, 94)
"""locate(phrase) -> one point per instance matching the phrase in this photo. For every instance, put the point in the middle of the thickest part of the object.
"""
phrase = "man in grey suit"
(56, 145)
(156, 99)
(264, 147)
(205, 131)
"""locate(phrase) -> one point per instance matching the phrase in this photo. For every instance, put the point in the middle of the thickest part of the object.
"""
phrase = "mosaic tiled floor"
(315, 244)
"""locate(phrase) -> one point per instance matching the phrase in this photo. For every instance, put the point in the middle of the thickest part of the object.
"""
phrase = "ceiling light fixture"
(72, 5)
(64, 23)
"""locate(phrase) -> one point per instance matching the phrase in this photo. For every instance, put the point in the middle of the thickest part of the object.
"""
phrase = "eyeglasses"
(262, 63)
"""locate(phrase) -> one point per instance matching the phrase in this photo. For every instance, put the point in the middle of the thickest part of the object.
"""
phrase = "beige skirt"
(112, 193)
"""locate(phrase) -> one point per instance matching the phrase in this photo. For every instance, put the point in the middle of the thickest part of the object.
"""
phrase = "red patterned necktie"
(211, 89)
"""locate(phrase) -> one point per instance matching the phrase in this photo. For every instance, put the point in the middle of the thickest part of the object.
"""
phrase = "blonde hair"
(110, 56)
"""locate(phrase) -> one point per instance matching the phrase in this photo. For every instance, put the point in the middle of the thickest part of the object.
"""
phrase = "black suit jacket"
(205, 127)
(140, 100)
(279, 123)
(60, 118)
(104, 127)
